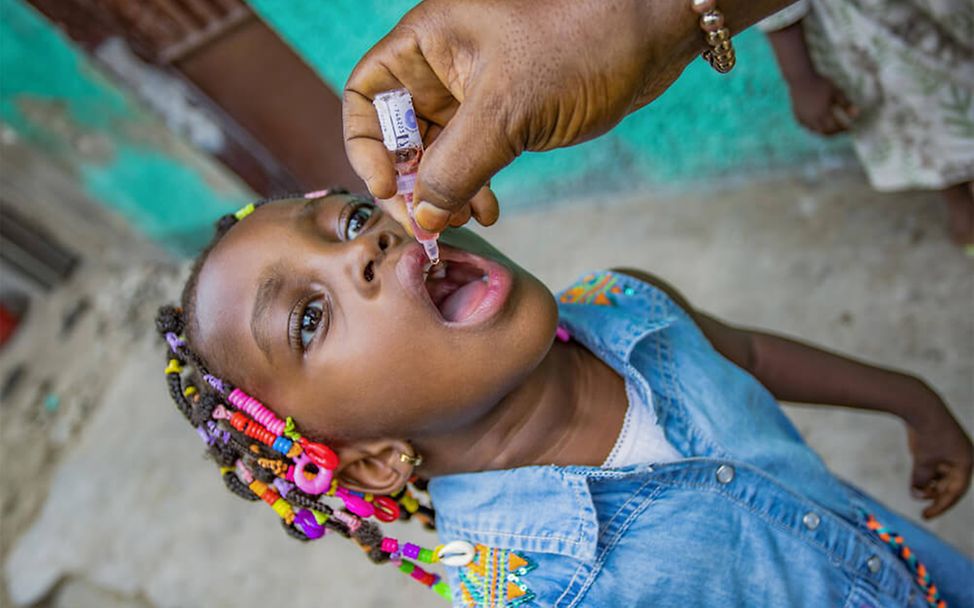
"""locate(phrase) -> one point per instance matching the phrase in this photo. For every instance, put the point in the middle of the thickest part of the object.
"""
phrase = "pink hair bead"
(257, 411)
(244, 473)
(318, 485)
(355, 504)
(562, 334)
(353, 523)
(390, 545)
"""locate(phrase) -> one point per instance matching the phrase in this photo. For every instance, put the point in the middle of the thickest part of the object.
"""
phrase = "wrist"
(919, 405)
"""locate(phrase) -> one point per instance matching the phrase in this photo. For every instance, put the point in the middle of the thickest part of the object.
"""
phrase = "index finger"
(364, 147)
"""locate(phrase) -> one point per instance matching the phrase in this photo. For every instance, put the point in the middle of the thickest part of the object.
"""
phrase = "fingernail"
(431, 217)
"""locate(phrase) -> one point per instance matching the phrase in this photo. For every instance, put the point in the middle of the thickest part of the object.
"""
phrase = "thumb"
(472, 147)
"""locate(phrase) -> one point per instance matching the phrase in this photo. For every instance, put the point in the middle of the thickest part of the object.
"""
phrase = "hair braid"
(258, 464)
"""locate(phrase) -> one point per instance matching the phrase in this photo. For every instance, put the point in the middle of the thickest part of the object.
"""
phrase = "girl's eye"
(306, 323)
(358, 219)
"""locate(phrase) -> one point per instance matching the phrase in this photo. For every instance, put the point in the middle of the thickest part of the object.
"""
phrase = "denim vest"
(749, 517)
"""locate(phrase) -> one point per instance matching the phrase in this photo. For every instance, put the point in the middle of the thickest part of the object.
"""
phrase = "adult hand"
(492, 79)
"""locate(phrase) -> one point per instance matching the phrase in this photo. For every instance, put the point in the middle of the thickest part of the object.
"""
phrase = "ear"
(375, 465)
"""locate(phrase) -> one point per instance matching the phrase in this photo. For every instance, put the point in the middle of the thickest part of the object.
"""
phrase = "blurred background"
(127, 128)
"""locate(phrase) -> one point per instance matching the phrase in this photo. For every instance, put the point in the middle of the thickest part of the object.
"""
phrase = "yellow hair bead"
(225, 470)
(258, 487)
(244, 211)
(173, 367)
(436, 553)
(410, 503)
(189, 391)
(283, 508)
(332, 488)
(369, 497)
(320, 517)
(295, 450)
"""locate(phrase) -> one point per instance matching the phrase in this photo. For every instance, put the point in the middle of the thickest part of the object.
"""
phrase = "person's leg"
(960, 209)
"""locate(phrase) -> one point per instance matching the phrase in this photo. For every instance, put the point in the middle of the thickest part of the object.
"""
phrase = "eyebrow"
(270, 286)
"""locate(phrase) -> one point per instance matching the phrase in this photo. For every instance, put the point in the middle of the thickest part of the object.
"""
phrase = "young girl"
(899, 74)
(639, 459)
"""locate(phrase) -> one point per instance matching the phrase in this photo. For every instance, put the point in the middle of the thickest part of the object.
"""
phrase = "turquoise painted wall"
(706, 126)
(122, 154)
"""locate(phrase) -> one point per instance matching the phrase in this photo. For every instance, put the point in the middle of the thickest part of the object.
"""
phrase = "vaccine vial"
(400, 134)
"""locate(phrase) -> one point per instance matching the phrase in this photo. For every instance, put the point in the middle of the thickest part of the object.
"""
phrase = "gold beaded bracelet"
(720, 55)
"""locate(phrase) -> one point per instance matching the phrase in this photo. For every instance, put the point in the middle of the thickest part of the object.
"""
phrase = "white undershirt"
(641, 440)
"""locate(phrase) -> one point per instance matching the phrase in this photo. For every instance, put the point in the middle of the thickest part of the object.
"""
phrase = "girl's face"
(323, 310)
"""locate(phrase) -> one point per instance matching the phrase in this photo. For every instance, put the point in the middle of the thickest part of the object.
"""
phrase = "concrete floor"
(115, 507)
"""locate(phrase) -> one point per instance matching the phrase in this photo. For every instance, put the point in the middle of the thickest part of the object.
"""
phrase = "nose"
(371, 251)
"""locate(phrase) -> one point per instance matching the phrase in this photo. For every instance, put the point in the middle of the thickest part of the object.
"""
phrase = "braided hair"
(264, 458)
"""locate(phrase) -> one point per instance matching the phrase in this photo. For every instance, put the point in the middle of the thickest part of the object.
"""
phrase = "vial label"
(397, 118)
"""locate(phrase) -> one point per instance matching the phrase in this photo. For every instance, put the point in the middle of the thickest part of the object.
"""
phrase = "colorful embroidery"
(494, 579)
(598, 289)
(894, 540)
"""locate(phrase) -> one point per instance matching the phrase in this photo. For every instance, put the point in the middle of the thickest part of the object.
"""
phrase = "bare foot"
(960, 213)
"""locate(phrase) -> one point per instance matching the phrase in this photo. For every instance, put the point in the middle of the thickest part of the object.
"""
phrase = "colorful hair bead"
(354, 504)
(411, 550)
(320, 454)
(204, 435)
(174, 341)
(173, 367)
(282, 445)
(283, 487)
(351, 522)
(283, 509)
(252, 429)
(386, 509)
(317, 193)
(243, 472)
(270, 496)
(318, 484)
(290, 430)
(215, 382)
(306, 521)
(258, 487)
(244, 211)
(409, 503)
(257, 411)
(425, 556)
(390, 545)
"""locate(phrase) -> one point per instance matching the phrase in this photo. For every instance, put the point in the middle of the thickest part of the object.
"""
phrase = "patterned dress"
(909, 67)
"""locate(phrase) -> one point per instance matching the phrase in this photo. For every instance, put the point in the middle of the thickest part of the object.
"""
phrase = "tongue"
(462, 302)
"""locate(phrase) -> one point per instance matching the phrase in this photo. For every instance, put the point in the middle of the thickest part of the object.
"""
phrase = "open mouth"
(456, 288)
(464, 289)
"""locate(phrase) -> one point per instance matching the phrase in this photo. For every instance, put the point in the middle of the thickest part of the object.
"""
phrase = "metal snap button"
(725, 473)
(811, 520)
(874, 564)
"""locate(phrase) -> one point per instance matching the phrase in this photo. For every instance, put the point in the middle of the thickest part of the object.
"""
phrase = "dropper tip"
(432, 251)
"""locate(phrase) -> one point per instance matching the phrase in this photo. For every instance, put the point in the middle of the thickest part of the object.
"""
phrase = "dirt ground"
(97, 510)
